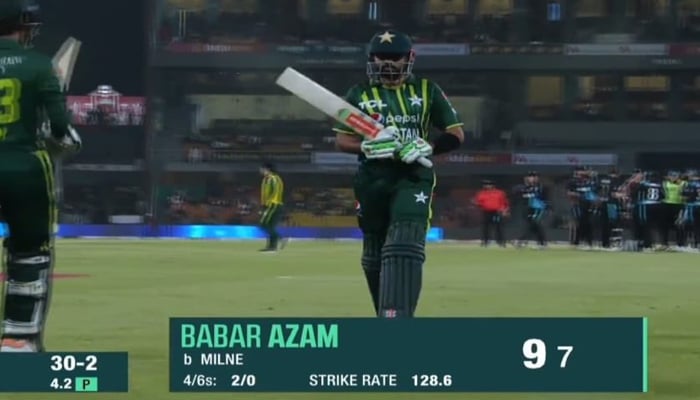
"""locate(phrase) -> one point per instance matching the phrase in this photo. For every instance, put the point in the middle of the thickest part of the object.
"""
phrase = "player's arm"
(445, 118)
(276, 191)
(478, 199)
(348, 142)
(265, 193)
(505, 204)
(52, 99)
(346, 139)
(687, 193)
(571, 191)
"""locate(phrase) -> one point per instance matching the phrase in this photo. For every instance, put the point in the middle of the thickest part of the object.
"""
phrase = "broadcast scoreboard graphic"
(64, 372)
(409, 355)
(366, 355)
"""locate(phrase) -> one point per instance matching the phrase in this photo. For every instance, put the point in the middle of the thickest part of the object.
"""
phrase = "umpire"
(493, 203)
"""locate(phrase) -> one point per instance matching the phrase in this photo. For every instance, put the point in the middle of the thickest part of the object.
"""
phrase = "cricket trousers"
(648, 219)
(692, 223)
(533, 226)
(27, 199)
(393, 211)
(671, 223)
(28, 205)
(581, 215)
(269, 221)
(609, 217)
(489, 219)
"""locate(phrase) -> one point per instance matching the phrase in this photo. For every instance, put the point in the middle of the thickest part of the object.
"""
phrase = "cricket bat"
(332, 105)
(64, 62)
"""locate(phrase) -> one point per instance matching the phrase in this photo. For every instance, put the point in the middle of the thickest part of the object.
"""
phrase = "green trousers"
(27, 199)
(268, 222)
(387, 193)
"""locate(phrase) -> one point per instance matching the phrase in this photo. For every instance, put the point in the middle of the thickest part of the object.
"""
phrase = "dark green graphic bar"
(408, 355)
(64, 372)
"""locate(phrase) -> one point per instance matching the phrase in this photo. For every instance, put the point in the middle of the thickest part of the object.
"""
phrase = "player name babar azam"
(256, 336)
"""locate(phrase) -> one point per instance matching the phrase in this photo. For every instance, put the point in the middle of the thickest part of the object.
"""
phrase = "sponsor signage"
(610, 49)
(332, 158)
(177, 47)
(195, 154)
(441, 49)
(320, 49)
(477, 158)
(563, 159)
(515, 49)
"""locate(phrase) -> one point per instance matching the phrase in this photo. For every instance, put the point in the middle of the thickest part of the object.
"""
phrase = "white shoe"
(17, 346)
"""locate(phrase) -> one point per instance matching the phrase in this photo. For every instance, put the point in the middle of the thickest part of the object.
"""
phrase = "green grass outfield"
(134, 286)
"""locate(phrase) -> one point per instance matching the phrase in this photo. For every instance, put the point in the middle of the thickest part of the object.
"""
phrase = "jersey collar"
(410, 80)
(9, 44)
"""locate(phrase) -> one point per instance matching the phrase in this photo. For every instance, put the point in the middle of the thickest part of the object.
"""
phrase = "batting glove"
(414, 150)
(70, 143)
(384, 146)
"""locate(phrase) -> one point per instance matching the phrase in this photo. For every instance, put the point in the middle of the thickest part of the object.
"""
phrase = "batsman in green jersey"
(28, 87)
(394, 192)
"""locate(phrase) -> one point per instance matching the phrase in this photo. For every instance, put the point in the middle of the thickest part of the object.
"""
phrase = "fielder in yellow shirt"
(271, 201)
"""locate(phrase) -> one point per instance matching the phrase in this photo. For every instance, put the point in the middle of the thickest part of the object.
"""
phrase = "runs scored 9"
(535, 353)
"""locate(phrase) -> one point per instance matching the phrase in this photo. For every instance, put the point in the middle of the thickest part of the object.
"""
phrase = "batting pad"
(401, 279)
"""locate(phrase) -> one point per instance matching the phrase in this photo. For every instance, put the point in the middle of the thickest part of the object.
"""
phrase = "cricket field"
(123, 293)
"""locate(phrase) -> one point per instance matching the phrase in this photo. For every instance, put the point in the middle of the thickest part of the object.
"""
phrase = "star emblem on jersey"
(415, 101)
(421, 197)
(386, 37)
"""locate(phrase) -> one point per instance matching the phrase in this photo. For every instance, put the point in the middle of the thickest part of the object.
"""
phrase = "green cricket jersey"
(412, 108)
(271, 190)
(28, 84)
(674, 192)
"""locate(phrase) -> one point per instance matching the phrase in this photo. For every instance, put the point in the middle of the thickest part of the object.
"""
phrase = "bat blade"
(328, 102)
(64, 61)
(332, 105)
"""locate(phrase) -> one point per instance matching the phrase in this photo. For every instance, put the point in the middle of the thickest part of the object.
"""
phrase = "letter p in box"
(86, 384)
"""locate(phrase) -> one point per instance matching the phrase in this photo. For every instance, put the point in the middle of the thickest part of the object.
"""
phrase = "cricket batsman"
(28, 85)
(394, 192)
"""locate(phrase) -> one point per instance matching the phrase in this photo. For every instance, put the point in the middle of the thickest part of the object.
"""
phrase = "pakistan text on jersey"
(11, 60)
(409, 134)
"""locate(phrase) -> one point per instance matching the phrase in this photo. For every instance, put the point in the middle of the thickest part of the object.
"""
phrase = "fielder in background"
(648, 196)
(393, 190)
(691, 215)
(535, 199)
(609, 205)
(271, 201)
(28, 86)
(584, 198)
(672, 209)
(494, 206)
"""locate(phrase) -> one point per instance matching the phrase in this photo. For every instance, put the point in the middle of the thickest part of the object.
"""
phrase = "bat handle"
(425, 162)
